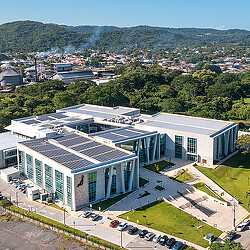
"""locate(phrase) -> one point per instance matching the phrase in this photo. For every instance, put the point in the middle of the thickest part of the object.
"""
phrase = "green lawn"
(161, 164)
(231, 176)
(184, 176)
(202, 187)
(109, 202)
(171, 220)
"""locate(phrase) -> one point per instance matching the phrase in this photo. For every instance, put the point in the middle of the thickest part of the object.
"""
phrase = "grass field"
(184, 176)
(233, 176)
(202, 187)
(169, 219)
(109, 202)
(161, 164)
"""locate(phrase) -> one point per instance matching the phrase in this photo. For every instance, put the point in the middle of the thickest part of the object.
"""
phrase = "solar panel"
(66, 137)
(78, 164)
(53, 153)
(86, 145)
(32, 121)
(66, 158)
(58, 116)
(45, 118)
(74, 141)
(109, 156)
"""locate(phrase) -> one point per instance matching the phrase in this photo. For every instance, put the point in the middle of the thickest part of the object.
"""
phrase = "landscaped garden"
(171, 220)
(159, 166)
(233, 176)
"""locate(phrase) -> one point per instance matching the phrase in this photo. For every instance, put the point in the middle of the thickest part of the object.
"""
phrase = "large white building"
(87, 153)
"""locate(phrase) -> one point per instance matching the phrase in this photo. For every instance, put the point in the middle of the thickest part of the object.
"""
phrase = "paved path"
(99, 229)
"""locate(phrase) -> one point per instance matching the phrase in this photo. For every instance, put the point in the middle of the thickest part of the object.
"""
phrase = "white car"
(240, 227)
(157, 238)
(246, 222)
(149, 236)
(122, 226)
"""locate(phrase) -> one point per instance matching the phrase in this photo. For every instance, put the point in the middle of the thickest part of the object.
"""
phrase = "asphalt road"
(244, 238)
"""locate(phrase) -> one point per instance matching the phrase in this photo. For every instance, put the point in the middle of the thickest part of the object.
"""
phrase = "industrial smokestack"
(36, 78)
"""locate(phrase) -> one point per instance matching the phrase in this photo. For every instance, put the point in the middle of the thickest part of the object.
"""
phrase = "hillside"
(36, 36)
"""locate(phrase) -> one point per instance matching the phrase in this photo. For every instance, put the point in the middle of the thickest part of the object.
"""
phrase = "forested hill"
(36, 36)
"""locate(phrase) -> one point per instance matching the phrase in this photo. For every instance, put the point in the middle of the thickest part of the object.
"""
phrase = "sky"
(218, 14)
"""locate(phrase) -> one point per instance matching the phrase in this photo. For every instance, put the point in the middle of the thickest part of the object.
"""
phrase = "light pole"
(64, 216)
(121, 238)
(90, 205)
(74, 228)
(17, 199)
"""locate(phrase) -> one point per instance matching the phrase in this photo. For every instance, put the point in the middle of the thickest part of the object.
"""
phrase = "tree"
(243, 143)
(229, 245)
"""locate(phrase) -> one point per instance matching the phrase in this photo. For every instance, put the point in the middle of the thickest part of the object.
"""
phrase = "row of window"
(191, 147)
(48, 176)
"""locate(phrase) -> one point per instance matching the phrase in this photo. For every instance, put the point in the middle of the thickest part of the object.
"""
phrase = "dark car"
(178, 245)
(163, 240)
(114, 223)
(170, 242)
(230, 236)
(143, 233)
(132, 230)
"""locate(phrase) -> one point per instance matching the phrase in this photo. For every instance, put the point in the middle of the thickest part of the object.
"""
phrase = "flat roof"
(123, 134)
(102, 111)
(77, 152)
(9, 170)
(185, 123)
(9, 141)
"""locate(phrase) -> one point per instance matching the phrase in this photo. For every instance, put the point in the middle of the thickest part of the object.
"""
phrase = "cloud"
(220, 27)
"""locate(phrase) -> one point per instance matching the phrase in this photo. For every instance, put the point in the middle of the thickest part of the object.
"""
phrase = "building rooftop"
(122, 134)
(8, 72)
(185, 123)
(77, 152)
(9, 141)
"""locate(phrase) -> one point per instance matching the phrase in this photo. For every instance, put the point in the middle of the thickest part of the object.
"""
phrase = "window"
(48, 178)
(106, 180)
(127, 173)
(178, 146)
(113, 183)
(11, 161)
(192, 157)
(69, 191)
(10, 153)
(143, 151)
(29, 160)
(92, 186)
(39, 173)
(192, 145)
(163, 144)
(21, 162)
(151, 142)
(59, 185)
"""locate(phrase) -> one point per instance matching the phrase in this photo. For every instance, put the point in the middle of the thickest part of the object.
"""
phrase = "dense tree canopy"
(203, 93)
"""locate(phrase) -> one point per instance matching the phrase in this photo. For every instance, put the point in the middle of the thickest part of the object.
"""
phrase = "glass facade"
(92, 186)
(163, 144)
(21, 162)
(192, 157)
(106, 179)
(143, 151)
(11, 152)
(39, 173)
(11, 161)
(113, 183)
(178, 146)
(69, 191)
(151, 142)
(48, 178)
(192, 146)
(29, 161)
(59, 185)
(127, 173)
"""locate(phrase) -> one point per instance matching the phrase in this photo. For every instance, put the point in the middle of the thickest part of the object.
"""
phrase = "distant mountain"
(36, 36)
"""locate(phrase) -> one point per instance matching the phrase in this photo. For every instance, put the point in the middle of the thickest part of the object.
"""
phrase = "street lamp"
(74, 228)
(90, 205)
(17, 199)
(121, 238)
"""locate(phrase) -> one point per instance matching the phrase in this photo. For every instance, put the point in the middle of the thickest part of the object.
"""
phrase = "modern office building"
(78, 169)
(87, 153)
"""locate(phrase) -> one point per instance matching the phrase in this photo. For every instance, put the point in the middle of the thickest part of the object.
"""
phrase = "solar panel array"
(122, 134)
(72, 141)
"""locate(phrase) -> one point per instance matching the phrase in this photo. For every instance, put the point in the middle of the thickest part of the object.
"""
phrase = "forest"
(206, 92)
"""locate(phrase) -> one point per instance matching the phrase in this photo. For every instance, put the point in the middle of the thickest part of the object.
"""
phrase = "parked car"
(170, 242)
(132, 230)
(240, 227)
(143, 233)
(122, 226)
(157, 238)
(178, 245)
(149, 236)
(95, 217)
(163, 240)
(246, 222)
(114, 223)
(230, 236)
(86, 214)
